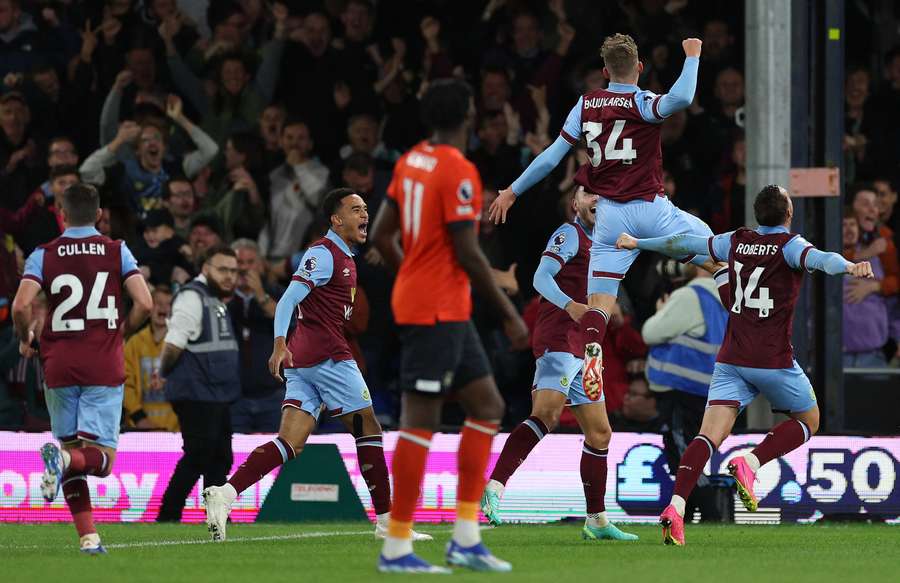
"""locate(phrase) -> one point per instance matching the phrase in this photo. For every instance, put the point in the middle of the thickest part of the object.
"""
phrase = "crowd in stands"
(226, 121)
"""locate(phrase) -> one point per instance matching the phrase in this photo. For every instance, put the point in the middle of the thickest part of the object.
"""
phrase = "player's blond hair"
(620, 55)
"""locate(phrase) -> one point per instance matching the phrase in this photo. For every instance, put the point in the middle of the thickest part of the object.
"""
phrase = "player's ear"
(98, 216)
(605, 73)
(640, 67)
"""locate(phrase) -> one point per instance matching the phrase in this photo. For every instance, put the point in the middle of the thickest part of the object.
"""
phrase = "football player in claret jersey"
(319, 369)
(621, 129)
(765, 271)
(433, 206)
(561, 279)
(81, 347)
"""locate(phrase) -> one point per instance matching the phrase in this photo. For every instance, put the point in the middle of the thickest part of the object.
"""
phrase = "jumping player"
(434, 201)
(561, 279)
(83, 274)
(621, 129)
(765, 270)
(318, 366)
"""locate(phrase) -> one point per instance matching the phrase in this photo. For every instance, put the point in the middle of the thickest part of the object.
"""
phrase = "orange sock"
(408, 469)
(472, 461)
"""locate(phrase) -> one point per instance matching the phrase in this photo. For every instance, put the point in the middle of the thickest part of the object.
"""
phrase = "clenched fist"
(692, 47)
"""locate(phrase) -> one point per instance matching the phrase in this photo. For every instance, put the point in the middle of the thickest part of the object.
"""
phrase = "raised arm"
(682, 92)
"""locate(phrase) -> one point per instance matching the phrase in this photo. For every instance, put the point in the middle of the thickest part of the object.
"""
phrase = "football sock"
(518, 445)
(679, 503)
(752, 461)
(593, 326)
(78, 498)
(785, 437)
(260, 462)
(472, 459)
(597, 519)
(370, 456)
(408, 468)
(698, 452)
(87, 461)
(593, 478)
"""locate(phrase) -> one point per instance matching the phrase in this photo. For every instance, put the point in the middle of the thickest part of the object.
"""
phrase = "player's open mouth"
(364, 228)
(593, 210)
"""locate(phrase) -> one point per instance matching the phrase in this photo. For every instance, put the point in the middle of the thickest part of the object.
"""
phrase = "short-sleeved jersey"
(765, 271)
(554, 329)
(82, 272)
(328, 270)
(622, 134)
(433, 187)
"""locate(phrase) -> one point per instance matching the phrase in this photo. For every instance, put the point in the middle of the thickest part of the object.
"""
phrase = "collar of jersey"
(763, 230)
(583, 226)
(80, 232)
(622, 88)
(336, 239)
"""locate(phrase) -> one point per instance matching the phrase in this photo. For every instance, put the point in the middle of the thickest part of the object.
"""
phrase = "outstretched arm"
(800, 254)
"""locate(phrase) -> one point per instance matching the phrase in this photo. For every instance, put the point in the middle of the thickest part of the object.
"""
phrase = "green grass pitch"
(344, 552)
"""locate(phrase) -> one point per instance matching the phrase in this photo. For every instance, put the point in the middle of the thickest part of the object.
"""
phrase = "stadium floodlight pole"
(767, 25)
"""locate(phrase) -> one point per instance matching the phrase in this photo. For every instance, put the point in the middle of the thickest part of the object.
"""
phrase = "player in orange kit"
(434, 199)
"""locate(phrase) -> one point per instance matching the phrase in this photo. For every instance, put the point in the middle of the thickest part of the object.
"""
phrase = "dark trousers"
(682, 416)
(206, 431)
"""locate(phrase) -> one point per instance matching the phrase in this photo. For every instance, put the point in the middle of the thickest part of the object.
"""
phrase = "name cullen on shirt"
(70, 249)
(756, 249)
(625, 102)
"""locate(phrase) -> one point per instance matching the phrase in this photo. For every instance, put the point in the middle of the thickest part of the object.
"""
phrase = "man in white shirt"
(297, 187)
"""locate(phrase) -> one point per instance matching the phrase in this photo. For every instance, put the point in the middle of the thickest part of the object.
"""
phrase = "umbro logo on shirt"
(346, 272)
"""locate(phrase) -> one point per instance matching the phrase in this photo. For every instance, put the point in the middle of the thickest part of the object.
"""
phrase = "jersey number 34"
(592, 133)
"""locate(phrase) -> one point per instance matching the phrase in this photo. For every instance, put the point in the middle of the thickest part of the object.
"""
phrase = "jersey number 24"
(93, 312)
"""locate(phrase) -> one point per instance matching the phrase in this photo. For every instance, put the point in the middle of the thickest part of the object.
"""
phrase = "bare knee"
(491, 408)
(598, 437)
(549, 416)
(810, 419)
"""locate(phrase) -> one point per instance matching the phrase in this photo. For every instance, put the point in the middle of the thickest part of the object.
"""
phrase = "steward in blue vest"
(208, 369)
(685, 363)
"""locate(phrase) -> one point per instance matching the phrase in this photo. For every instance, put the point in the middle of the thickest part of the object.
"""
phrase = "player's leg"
(300, 413)
(98, 414)
(345, 394)
(674, 221)
(429, 354)
(594, 423)
(606, 269)
(554, 374)
(789, 391)
(729, 393)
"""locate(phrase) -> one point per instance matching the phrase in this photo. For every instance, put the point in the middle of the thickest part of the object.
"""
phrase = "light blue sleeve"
(34, 265)
(129, 263)
(655, 108)
(315, 267)
(563, 243)
(801, 254)
(571, 129)
(541, 166)
(676, 245)
(721, 246)
(545, 284)
(295, 293)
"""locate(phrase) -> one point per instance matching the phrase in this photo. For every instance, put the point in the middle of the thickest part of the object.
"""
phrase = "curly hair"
(620, 55)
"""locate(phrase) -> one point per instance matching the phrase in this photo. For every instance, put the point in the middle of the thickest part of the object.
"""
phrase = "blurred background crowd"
(226, 121)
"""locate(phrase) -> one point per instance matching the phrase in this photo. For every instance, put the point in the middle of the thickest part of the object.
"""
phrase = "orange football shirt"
(433, 186)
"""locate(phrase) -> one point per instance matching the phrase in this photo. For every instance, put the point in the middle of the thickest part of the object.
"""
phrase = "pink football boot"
(673, 526)
(744, 478)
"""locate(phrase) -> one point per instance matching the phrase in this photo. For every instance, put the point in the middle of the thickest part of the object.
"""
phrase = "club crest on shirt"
(465, 193)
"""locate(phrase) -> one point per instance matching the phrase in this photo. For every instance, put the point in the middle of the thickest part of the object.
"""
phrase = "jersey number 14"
(93, 310)
(743, 297)
(592, 131)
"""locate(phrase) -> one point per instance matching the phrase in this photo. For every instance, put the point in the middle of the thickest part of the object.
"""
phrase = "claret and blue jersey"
(765, 271)
(620, 127)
